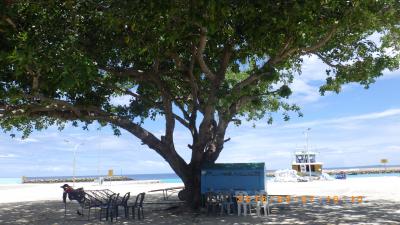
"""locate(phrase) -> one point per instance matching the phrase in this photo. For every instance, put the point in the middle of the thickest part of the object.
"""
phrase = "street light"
(307, 150)
(74, 161)
(100, 178)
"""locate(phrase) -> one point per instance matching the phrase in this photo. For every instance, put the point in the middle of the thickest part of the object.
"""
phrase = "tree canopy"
(203, 64)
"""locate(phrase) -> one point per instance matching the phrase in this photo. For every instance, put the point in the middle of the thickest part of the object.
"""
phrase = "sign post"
(384, 162)
(110, 174)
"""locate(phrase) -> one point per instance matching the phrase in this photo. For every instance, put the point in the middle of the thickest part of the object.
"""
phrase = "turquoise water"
(10, 180)
(171, 181)
(172, 178)
(374, 175)
(18, 180)
(164, 178)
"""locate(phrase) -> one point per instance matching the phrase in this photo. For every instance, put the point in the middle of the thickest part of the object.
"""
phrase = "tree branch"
(325, 60)
(137, 75)
(321, 42)
(90, 113)
(180, 106)
(216, 145)
(9, 21)
(167, 106)
(159, 105)
(122, 90)
(245, 99)
(190, 114)
(226, 55)
(252, 78)
(202, 45)
(268, 66)
(177, 60)
(182, 121)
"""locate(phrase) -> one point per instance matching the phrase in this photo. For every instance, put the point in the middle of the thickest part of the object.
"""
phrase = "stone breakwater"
(26, 180)
(355, 171)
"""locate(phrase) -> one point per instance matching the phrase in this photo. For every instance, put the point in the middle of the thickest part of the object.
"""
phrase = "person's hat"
(65, 186)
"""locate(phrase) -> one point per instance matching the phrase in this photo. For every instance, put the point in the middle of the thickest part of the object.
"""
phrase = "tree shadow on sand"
(52, 212)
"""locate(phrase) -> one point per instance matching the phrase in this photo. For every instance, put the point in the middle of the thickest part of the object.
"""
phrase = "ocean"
(173, 178)
(10, 180)
(162, 177)
(374, 175)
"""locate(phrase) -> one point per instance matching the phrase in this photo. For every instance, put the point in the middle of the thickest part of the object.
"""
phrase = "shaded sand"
(41, 204)
(52, 212)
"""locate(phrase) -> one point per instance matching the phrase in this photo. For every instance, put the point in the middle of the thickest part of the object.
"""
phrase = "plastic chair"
(90, 202)
(213, 201)
(227, 202)
(109, 207)
(263, 202)
(241, 202)
(139, 205)
(123, 202)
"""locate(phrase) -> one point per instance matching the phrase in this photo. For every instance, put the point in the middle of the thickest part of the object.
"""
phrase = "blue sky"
(355, 127)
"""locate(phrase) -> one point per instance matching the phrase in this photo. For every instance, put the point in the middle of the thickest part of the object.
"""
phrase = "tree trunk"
(192, 177)
(193, 186)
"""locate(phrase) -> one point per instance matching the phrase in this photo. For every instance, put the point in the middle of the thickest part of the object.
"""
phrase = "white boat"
(305, 163)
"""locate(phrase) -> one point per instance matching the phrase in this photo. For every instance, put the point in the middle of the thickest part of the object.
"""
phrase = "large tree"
(201, 64)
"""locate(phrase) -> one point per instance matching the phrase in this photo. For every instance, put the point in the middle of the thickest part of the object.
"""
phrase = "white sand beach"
(42, 204)
(48, 192)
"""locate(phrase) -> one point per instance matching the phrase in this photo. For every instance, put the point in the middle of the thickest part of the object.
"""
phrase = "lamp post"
(307, 150)
(99, 165)
(98, 162)
(74, 161)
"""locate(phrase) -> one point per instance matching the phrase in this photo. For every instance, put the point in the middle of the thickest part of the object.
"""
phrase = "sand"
(41, 204)
(46, 192)
(373, 188)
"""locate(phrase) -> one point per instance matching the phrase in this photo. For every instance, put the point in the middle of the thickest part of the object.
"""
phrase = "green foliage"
(69, 44)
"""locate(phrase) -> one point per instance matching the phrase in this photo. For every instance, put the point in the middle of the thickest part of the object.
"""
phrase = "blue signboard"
(232, 177)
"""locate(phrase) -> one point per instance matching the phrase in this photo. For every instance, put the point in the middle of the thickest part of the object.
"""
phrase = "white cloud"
(54, 168)
(114, 143)
(8, 155)
(389, 75)
(151, 166)
(394, 148)
(306, 86)
(347, 141)
(152, 163)
(303, 89)
(27, 140)
(313, 69)
(123, 100)
(348, 120)
(304, 92)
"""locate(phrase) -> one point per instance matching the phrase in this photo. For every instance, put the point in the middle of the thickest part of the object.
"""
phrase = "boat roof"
(305, 153)
(306, 163)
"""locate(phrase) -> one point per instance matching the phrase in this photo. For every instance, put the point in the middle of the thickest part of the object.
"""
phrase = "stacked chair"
(138, 204)
(243, 202)
(219, 201)
(262, 202)
(109, 208)
(105, 200)
(227, 203)
(247, 203)
(213, 202)
(123, 202)
(240, 201)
